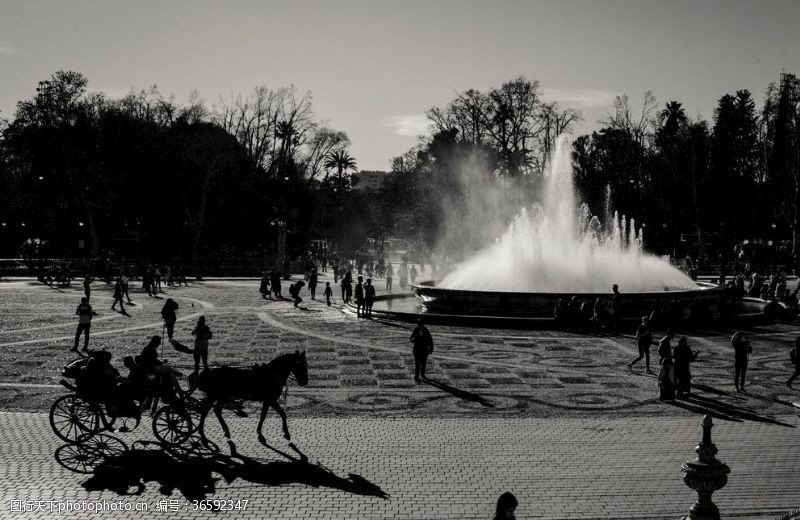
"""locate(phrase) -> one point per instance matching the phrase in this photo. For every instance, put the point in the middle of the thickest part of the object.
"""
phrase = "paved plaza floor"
(556, 418)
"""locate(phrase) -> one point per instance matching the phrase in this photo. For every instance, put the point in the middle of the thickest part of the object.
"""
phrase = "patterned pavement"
(557, 418)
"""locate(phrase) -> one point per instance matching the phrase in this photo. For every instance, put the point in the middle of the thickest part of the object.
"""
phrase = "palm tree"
(672, 117)
(342, 161)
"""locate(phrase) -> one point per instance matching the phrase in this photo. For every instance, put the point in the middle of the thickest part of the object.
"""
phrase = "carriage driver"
(148, 360)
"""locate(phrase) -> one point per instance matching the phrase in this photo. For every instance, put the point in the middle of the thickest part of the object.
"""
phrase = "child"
(666, 380)
(328, 293)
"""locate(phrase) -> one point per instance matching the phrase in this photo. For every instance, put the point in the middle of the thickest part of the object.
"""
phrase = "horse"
(262, 382)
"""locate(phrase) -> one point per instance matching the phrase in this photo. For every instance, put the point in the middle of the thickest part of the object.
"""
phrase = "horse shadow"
(461, 394)
(722, 410)
(196, 478)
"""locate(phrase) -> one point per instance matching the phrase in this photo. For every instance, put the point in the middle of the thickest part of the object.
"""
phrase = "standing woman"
(682, 358)
(389, 275)
(169, 315)
(741, 351)
(201, 333)
(312, 283)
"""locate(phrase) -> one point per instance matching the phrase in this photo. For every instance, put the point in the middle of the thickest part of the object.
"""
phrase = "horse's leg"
(218, 413)
(205, 407)
(280, 411)
(264, 410)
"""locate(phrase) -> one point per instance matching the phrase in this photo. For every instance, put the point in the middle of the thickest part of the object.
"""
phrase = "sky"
(374, 67)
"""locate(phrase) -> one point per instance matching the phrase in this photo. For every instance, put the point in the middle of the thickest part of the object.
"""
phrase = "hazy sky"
(375, 66)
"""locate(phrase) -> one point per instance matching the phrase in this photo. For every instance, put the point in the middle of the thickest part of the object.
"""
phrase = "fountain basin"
(437, 300)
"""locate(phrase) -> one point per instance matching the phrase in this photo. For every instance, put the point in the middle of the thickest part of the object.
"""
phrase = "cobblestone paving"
(566, 468)
(552, 416)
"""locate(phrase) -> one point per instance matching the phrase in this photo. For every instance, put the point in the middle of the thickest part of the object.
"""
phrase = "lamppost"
(281, 253)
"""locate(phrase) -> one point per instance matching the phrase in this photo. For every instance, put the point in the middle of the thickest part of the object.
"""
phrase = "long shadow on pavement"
(461, 394)
(722, 410)
(195, 478)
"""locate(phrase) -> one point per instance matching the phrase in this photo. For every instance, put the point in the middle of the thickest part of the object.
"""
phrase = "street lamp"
(80, 224)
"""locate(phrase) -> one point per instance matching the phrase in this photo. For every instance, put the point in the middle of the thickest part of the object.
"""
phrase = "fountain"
(557, 249)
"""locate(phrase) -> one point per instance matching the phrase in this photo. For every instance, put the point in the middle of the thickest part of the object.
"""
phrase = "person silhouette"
(369, 298)
(85, 314)
(423, 346)
(328, 293)
(359, 297)
(506, 507)
(741, 349)
(794, 357)
(118, 292)
(644, 337)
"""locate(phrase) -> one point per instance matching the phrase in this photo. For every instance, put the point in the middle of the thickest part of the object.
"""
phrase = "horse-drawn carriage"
(100, 401)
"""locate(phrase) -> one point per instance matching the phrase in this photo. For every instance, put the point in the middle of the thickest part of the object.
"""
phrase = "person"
(506, 507)
(360, 296)
(560, 313)
(423, 346)
(328, 293)
(202, 333)
(412, 273)
(124, 279)
(294, 292)
(264, 287)
(169, 315)
(313, 278)
(369, 297)
(149, 362)
(794, 357)
(347, 287)
(599, 314)
(389, 274)
(85, 314)
(741, 350)
(118, 297)
(157, 286)
(665, 346)
(403, 274)
(275, 283)
(666, 380)
(87, 286)
(644, 337)
(682, 357)
(616, 308)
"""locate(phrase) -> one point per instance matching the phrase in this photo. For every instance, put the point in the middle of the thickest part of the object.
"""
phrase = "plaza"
(554, 417)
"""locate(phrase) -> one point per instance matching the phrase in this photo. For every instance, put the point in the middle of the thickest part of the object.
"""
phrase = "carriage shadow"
(723, 410)
(196, 478)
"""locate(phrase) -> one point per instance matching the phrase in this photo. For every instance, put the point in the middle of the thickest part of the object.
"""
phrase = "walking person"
(423, 347)
(369, 298)
(264, 287)
(412, 273)
(794, 357)
(360, 297)
(202, 333)
(157, 288)
(403, 274)
(294, 292)
(328, 293)
(118, 297)
(682, 359)
(644, 337)
(389, 275)
(87, 286)
(741, 350)
(125, 279)
(169, 315)
(85, 314)
(506, 507)
(313, 278)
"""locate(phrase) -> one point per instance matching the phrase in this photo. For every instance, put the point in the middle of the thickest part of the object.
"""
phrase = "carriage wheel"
(78, 457)
(106, 445)
(193, 447)
(193, 408)
(74, 419)
(172, 425)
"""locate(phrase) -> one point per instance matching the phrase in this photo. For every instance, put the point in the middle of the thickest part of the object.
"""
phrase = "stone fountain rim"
(705, 288)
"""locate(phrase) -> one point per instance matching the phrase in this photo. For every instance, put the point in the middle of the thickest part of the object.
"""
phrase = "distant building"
(371, 179)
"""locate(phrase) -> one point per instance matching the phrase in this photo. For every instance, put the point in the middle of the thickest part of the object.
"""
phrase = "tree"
(342, 162)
